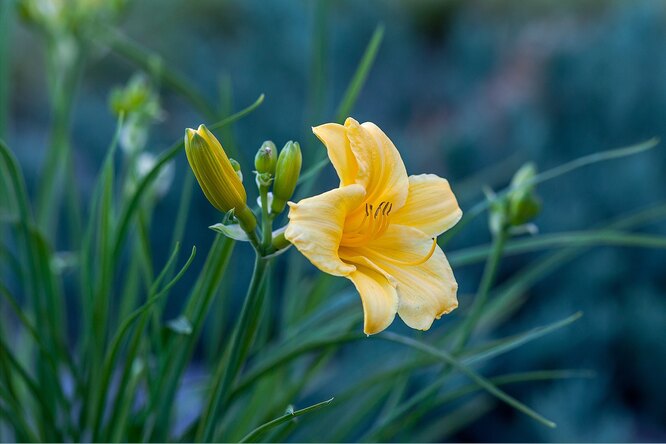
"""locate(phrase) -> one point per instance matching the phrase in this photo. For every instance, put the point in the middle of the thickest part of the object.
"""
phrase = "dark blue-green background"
(459, 87)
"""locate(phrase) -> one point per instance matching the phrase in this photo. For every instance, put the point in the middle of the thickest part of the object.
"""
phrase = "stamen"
(379, 208)
(375, 223)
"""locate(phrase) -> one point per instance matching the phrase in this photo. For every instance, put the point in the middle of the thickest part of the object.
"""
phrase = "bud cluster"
(221, 181)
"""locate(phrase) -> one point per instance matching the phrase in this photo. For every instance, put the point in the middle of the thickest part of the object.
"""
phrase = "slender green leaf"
(259, 431)
(471, 374)
(351, 93)
(511, 343)
(557, 240)
(110, 359)
(361, 74)
(552, 173)
(286, 355)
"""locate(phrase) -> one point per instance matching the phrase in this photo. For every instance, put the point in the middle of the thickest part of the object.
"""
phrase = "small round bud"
(287, 172)
(523, 203)
(266, 158)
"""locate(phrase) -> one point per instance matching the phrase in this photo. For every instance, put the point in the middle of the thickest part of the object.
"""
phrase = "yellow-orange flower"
(379, 229)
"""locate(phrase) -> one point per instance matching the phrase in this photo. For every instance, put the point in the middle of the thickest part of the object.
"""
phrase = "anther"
(379, 209)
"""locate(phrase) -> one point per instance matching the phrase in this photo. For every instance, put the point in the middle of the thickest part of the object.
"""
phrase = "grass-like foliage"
(126, 373)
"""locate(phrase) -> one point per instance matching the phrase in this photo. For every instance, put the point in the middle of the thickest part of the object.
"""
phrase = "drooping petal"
(334, 138)
(431, 206)
(380, 300)
(426, 290)
(316, 223)
(380, 167)
(350, 256)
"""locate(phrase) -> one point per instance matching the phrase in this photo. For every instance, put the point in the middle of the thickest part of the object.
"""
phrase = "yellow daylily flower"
(379, 229)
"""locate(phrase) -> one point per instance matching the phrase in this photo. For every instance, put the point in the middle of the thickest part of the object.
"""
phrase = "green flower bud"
(523, 203)
(237, 168)
(286, 175)
(266, 158)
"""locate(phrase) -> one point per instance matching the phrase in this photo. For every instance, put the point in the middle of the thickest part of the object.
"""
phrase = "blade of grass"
(487, 351)
(509, 292)
(124, 395)
(471, 374)
(109, 361)
(180, 348)
(473, 255)
(351, 94)
(42, 289)
(11, 363)
(505, 345)
(419, 411)
(361, 74)
(285, 356)
(231, 363)
(550, 174)
(319, 57)
(259, 431)
(23, 318)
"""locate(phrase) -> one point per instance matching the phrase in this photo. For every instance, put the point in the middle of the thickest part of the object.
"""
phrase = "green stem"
(487, 280)
(231, 363)
(266, 221)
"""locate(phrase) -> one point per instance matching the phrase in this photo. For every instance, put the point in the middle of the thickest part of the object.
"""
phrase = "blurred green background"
(465, 89)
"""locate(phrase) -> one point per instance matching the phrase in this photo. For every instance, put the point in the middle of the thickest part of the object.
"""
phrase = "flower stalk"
(489, 274)
(241, 341)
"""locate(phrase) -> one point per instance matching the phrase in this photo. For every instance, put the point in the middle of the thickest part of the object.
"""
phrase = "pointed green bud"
(266, 158)
(286, 175)
(237, 168)
(523, 203)
(216, 175)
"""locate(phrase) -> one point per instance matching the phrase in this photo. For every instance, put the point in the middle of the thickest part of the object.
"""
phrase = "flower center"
(374, 224)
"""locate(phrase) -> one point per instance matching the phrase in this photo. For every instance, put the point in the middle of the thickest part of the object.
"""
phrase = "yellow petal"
(315, 226)
(380, 167)
(334, 138)
(431, 205)
(426, 291)
(350, 256)
(380, 301)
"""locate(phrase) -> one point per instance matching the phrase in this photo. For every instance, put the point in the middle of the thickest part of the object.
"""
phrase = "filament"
(410, 263)
(374, 223)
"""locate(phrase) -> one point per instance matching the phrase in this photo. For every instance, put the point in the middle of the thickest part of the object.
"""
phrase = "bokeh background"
(468, 90)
